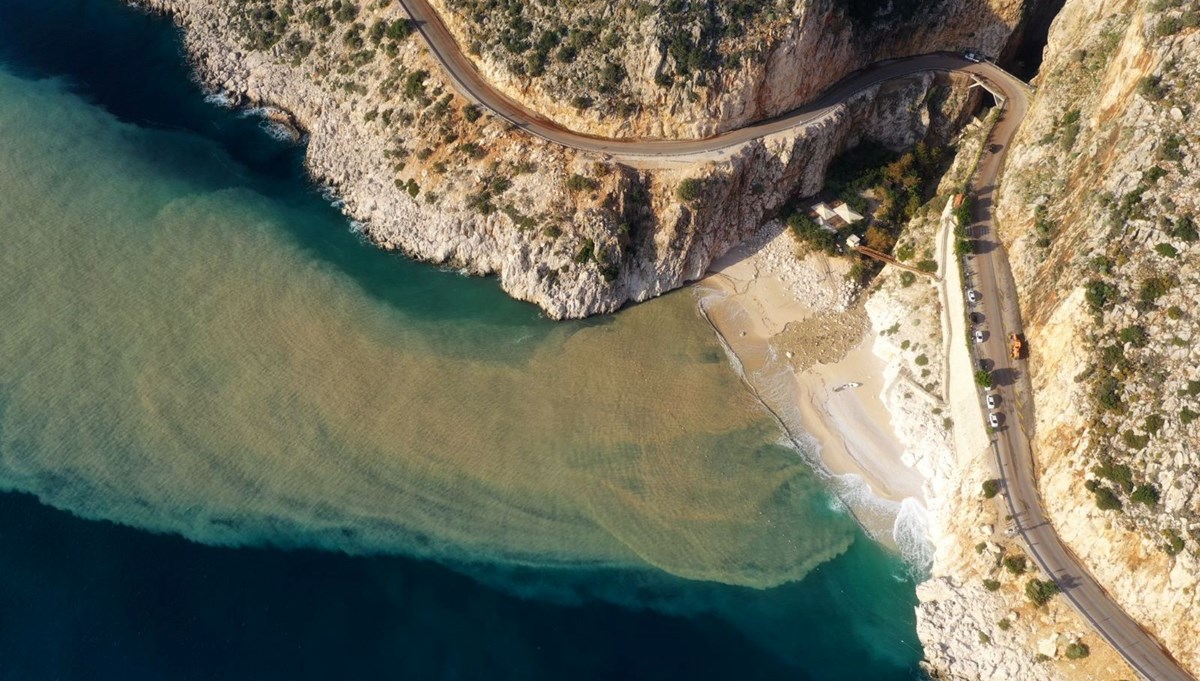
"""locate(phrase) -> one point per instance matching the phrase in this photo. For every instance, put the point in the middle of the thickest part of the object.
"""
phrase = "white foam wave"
(220, 99)
(901, 524)
(911, 534)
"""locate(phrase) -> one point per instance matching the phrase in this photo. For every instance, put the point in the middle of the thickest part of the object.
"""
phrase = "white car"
(978, 336)
(973, 57)
(993, 420)
(991, 401)
(972, 296)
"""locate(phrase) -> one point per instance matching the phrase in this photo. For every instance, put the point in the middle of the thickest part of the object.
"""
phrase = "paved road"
(474, 86)
(989, 274)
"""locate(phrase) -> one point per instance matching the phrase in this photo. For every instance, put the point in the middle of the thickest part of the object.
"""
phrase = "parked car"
(992, 401)
(972, 296)
(978, 336)
(994, 420)
(973, 57)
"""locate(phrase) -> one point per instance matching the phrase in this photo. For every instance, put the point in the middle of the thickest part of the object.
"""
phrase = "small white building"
(835, 215)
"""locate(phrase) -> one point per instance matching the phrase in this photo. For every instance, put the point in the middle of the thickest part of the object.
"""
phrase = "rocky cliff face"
(692, 69)
(1098, 208)
(430, 175)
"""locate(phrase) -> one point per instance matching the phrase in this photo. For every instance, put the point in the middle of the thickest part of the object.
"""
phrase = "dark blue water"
(84, 599)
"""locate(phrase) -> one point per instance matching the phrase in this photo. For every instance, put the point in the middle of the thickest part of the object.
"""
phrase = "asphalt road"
(471, 83)
(988, 273)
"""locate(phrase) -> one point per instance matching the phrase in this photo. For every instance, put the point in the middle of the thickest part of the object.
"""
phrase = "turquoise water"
(330, 461)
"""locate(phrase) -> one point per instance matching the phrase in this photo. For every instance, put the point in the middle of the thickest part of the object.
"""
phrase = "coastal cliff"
(637, 69)
(1098, 211)
(430, 175)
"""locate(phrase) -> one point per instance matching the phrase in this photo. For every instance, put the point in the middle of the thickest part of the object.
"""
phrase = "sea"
(239, 442)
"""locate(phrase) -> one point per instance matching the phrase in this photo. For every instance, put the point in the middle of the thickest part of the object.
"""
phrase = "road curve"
(472, 84)
(988, 271)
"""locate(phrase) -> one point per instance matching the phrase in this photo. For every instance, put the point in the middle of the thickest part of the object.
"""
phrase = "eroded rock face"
(1097, 209)
(429, 175)
(694, 69)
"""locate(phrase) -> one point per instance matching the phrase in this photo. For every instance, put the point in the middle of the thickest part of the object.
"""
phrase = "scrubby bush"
(1145, 494)
(1174, 542)
(689, 190)
(806, 231)
(1040, 591)
(991, 585)
(1015, 564)
(991, 488)
(1077, 651)
(577, 183)
(1099, 294)
(983, 379)
(1106, 499)
(1134, 335)
(1118, 473)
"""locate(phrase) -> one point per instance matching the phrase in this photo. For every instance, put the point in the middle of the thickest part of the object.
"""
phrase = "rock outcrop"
(689, 69)
(1098, 209)
(433, 177)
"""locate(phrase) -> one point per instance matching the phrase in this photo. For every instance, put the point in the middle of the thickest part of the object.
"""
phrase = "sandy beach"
(807, 352)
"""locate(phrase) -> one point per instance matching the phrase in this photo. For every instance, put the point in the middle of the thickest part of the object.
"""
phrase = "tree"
(1077, 651)
(1040, 591)
(983, 379)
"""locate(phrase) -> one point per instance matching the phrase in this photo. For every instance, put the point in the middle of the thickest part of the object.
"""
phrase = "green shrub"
(1134, 335)
(1174, 545)
(991, 585)
(552, 231)
(689, 190)
(1151, 88)
(1186, 416)
(1168, 25)
(1107, 393)
(399, 29)
(921, 360)
(1099, 294)
(1153, 424)
(1145, 494)
(1134, 441)
(1166, 250)
(991, 488)
(927, 266)
(1004, 624)
(1107, 500)
(1184, 229)
(1040, 591)
(1077, 651)
(808, 232)
(414, 84)
(585, 252)
(907, 278)
(1015, 564)
(577, 182)
(1175, 312)
(1192, 389)
(983, 379)
(1118, 473)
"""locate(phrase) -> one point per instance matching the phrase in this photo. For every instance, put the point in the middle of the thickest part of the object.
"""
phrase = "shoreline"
(808, 355)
